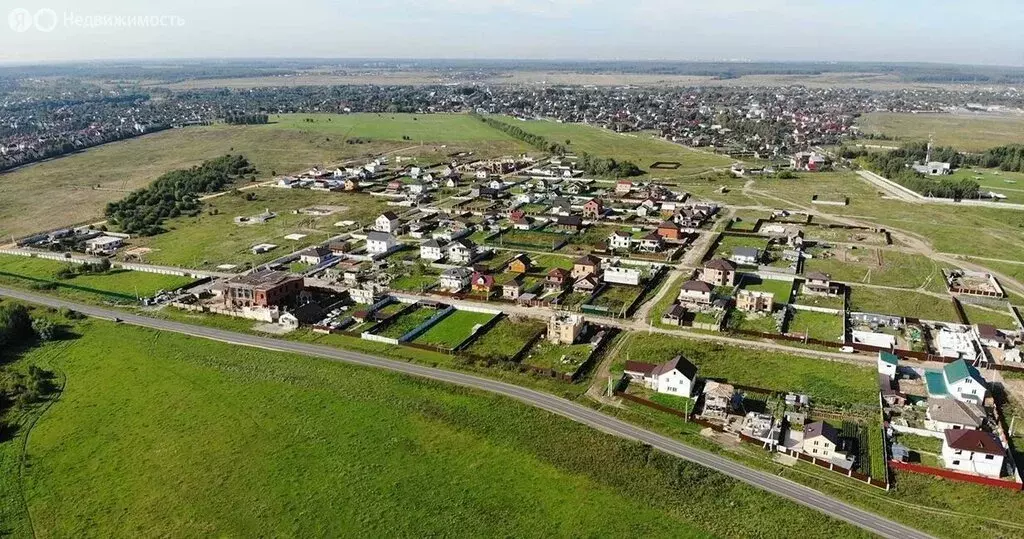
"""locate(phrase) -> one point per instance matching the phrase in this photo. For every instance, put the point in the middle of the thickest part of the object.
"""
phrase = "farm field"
(965, 132)
(212, 238)
(640, 148)
(117, 286)
(902, 303)
(453, 329)
(273, 425)
(821, 326)
(838, 383)
(505, 339)
(75, 188)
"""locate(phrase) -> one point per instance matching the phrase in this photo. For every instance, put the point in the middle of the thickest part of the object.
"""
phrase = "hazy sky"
(982, 31)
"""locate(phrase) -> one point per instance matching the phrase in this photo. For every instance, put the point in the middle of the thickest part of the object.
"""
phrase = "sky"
(978, 32)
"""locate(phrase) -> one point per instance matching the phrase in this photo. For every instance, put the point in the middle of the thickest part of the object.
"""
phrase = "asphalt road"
(576, 412)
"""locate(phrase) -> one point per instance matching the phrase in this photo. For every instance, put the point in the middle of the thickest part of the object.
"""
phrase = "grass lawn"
(114, 286)
(782, 290)
(505, 339)
(965, 132)
(616, 298)
(548, 355)
(902, 303)
(414, 281)
(861, 266)
(530, 239)
(407, 322)
(821, 326)
(1008, 184)
(839, 383)
(453, 329)
(546, 263)
(272, 427)
(206, 241)
(999, 318)
(750, 322)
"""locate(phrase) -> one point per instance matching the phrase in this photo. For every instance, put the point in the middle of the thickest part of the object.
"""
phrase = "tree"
(44, 328)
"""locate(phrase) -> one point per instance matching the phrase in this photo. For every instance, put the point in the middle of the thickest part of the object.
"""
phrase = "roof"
(720, 264)
(885, 385)
(974, 440)
(587, 260)
(570, 220)
(432, 244)
(988, 332)
(668, 224)
(459, 272)
(936, 383)
(888, 357)
(379, 236)
(718, 390)
(818, 276)
(956, 412)
(676, 311)
(638, 366)
(959, 370)
(558, 272)
(264, 278)
(308, 313)
(315, 251)
(678, 363)
(389, 215)
(697, 286)
(746, 252)
(820, 428)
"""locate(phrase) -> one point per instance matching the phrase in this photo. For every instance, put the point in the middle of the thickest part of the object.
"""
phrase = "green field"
(640, 148)
(564, 358)
(118, 286)
(407, 322)
(212, 238)
(505, 339)
(965, 132)
(898, 269)
(821, 326)
(902, 303)
(616, 298)
(159, 434)
(826, 381)
(1000, 318)
(1009, 184)
(453, 329)
(75, 188)
(783, 290)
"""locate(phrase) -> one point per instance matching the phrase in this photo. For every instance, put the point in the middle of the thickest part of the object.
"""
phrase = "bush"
(45, 329)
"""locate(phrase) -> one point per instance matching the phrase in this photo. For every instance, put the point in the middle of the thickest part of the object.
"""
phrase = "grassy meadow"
(117, 286)
(160, 434)
(965, 132)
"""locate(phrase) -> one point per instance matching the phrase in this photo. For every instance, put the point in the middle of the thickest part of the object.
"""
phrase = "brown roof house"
(586, 265)
(676, 376)
(719, 272)
(696, 293)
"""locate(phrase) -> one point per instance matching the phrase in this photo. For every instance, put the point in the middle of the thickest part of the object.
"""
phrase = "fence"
(832, 468)
(430, 322)
(955, 476)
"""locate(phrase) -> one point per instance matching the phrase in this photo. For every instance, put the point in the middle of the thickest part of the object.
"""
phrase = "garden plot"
(904, 303)
(782, 290)
(505, 339)
(453, 329)
(406, 322)
(616, 298)
(821, 326)
(1000, 318)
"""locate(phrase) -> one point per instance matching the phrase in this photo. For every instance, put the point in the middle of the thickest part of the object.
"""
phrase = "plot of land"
(114, 286)
(394, 127)
(782, 290)
(616, 298)
(902, 303)
(725, 246)
(505, 339)
(965, 132)
(897, 269)
(564, 358)
(453, 329)
(1000, 318)
(821, 326)
(212, 238)
(407, 322)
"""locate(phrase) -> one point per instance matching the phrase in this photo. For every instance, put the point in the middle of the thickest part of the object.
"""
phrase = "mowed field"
(74, 189)
(965, 132)
(161, 434)
(642, 148)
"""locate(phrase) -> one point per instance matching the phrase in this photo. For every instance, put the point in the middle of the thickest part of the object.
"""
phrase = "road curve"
(576, 412)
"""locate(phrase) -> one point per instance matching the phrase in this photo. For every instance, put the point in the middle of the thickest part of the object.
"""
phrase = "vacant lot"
(114, 286)
(821, 326)
(782, 290)
(897, 269)
(212, 238)
(966, 132)
(407, 322)
(453, 329)
(505, 339)
(839, 383)
(1000, 318)
(902, 303)
(190, 437)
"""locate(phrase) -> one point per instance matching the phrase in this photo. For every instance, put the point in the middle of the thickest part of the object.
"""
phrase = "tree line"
(238, 118)
(174, 194)
(17, 328)
(532, 139)
(895, 165)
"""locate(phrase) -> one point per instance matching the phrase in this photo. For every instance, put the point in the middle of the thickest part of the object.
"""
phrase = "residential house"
(522, 223)
(651, 243)
(339, 248)
(586, 265)
(669, 231)
(622, 275)
(957, 380)
(306, 314)
(990, 336)
(593, 209)
(461, 251)
(746, 255)
(103, 245)
(718, 400)
(696, 293)
(810, 162)
(620, 240)
(820, 284)
(890, 391)
(432, 250)
(888, 364)
(586, 285)
(821, 440)
(973, 451)
(511, 289)
(387, 222)
(378, 243)
(623, 187)
(556, 279)
(951, 414)
(565, 328)
(675, 377)
(755, 302)
(455, 279)
(263, 288)
(718, 272)
(482, 283)
(315, 256)
(569, 223)
(520, 264)
(674, 315)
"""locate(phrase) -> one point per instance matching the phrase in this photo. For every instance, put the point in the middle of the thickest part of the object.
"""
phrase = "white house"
(675, 377)
(973, 451)
(746, 255)
(888, 364)
(621, 275)
(821, 440)
(957, 380)
(380, 242)
(620, 240)
(103, 245)
(455, 279)
(387, 222)
(461, 251)
(695, 293)
(432, 250)
(314, 256)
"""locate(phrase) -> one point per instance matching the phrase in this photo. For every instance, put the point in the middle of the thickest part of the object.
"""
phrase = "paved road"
(576, 412)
